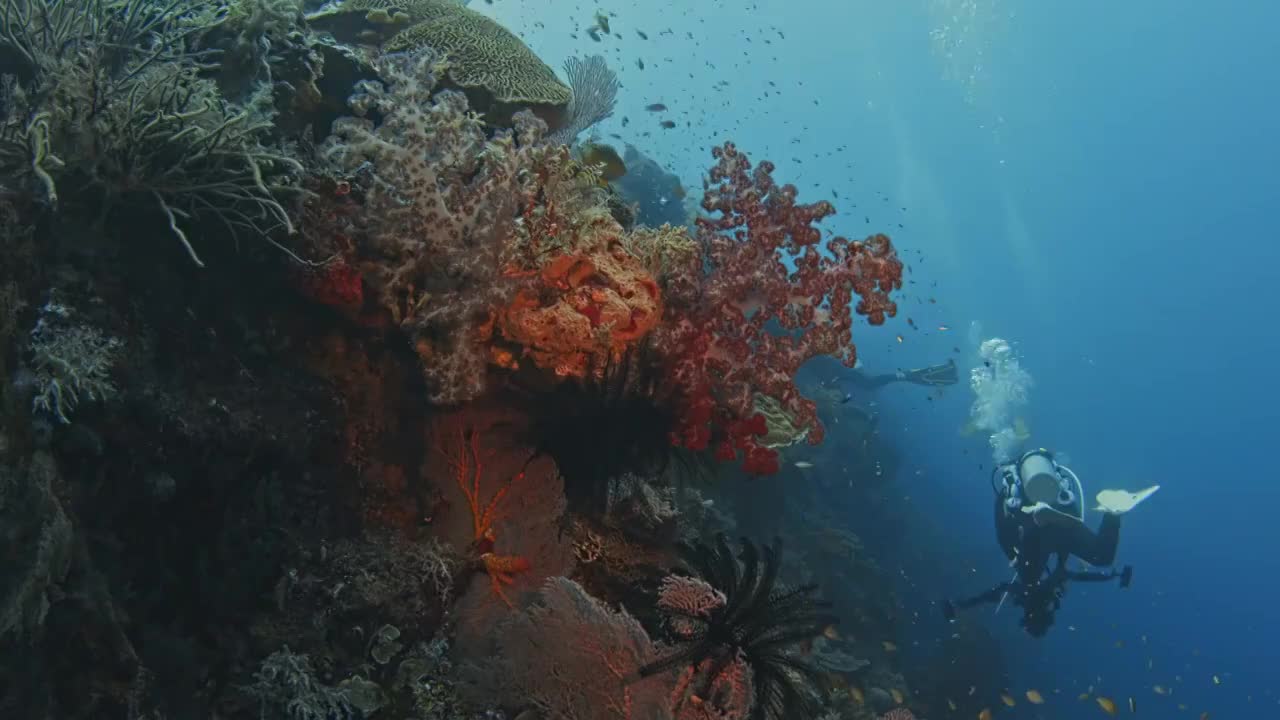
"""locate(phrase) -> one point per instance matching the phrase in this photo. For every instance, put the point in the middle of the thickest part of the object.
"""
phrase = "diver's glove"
(1119, 502)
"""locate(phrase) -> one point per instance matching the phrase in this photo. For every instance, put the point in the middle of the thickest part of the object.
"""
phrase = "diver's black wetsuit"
(1030, 547)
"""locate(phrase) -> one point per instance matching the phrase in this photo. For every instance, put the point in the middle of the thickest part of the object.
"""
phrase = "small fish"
(898, 699)
(1133, 706)
(888, 646)
(858, 697)
(667, 124)
(1107, 704)
(642, 35)
(1204, 715)
(943, 328)
(595, 34)
(1160, 690)
(847, 397)
(972, 689)
(640, 63)
(952, 705)
(985, 714)
(1216, 680)
(1034, 697)
(655, 107)
(829, 632)
(1007, 699)
(602, 22)
(899, 339)
(1082, 696)
(803, 464)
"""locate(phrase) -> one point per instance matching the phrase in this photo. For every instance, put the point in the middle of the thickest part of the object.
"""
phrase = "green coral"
(483, 54)
(286, 686)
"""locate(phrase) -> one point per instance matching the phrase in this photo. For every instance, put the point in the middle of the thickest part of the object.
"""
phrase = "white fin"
(1122, 501)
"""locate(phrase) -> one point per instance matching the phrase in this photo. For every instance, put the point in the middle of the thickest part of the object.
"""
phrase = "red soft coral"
(760, 272)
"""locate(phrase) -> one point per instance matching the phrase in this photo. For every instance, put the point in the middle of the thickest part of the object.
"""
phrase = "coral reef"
(428, 442)
(121, 91)
(465, 236)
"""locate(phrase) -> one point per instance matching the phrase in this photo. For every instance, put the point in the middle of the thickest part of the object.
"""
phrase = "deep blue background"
(1095, 182)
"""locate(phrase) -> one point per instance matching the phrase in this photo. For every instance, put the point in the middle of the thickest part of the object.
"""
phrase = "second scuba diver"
(1039, 514)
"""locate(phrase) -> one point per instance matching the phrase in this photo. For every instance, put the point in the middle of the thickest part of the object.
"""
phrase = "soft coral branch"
(761, 271)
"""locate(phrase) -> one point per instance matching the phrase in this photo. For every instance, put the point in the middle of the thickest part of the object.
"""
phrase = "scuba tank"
(1036, 477)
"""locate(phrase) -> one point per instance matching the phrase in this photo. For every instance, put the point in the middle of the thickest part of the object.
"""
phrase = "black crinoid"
(755, 620)
(617, 419)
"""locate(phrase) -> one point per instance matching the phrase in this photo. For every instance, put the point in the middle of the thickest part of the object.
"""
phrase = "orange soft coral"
(590, 304)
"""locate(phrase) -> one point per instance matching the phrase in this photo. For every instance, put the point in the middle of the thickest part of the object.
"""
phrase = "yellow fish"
(985, 714)
(952, 704)
(1160, 690)
(889, 647)
(829, 632)
(858, 697)
(1107, 704)
(1034, 697)
(897, 696)
(606, 158)
(1007, 699)
(1083, 696)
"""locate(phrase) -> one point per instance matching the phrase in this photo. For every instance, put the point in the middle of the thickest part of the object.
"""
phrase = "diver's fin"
(944, 374)
(1045, 514)
(1122, 501)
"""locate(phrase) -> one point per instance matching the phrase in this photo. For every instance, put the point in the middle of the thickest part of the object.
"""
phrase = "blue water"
(1095, 182)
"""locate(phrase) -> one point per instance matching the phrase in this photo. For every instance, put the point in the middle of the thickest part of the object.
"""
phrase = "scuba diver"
(1039, 513)
(936, 375)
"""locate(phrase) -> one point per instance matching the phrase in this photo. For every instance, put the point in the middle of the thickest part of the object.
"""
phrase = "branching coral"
(72, 362)
(286, 686)
(760, 267)
(119, 86)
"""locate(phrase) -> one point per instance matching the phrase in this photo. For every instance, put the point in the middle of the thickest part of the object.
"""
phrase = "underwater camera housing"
(1037, 477)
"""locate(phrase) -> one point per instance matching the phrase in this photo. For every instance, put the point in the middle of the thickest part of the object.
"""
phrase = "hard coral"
(761, 270)
(489, 61)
